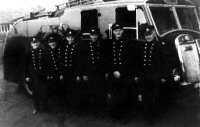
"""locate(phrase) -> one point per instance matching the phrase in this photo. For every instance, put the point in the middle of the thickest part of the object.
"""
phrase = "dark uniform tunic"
(69, 64)
(35, 70)
(151, 59)
(53, 63)
(119, 59)
(119, 53)
(92, 53)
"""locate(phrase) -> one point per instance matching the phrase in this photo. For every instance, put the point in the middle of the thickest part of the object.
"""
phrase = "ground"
(16, 111)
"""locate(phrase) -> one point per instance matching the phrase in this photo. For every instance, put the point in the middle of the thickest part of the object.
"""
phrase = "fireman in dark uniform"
(150, 71)
(69, 65)
(52, 68)
(93, 74)
(35, 71)
(119, 53)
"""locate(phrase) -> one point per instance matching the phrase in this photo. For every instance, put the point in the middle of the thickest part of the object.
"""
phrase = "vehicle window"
(164, 19)
(128, 20)
(142, 21)
(187, 18)
(3, 28)
(8, 27)
(89, 19)
(125, 17)
(130, 33)
(141, 17)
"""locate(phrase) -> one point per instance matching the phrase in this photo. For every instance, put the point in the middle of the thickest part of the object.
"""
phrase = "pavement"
(16, 111)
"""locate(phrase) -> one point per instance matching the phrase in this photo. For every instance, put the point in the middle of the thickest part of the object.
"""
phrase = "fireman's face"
(70, 39)
(150, 37)
(94, 37)
(118, 33)
(35, 44)
(52, 44)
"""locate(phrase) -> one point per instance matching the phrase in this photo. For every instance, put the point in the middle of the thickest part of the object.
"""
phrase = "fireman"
(93, 74)
(118, 72)
(70, 64)
(52, 68)
(151, 71)
(35, 71)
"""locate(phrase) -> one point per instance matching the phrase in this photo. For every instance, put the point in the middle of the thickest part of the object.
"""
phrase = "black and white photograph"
(100, 63)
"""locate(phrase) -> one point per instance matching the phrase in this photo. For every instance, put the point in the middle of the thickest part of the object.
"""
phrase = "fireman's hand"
(117, 74)
(78, 78)
(163, 81)
(61, 78)
(85, 78)
(27, 79)
(48, 77)
(197, 85)
(177, 78)
(106, 76)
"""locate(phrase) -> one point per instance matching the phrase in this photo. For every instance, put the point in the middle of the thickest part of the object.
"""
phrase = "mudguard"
(189, 57)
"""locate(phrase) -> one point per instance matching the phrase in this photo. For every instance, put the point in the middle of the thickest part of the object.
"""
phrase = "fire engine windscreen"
(187, 18)
(165, 21)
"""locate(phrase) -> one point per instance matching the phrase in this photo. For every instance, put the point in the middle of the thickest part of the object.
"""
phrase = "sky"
(27, 4)
(21, 4)
(11, 9)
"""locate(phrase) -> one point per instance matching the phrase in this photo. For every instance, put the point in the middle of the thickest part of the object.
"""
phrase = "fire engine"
(176, 23)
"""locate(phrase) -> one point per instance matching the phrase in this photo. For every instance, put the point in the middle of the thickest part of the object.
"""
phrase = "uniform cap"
(148, 30)
(35, 40)
(117, 26)
(70, 33)
(52, 38)
(94, 30)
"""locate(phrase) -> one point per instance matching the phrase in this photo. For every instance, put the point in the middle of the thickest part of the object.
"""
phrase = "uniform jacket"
(119, 56)
(93, 57)
(35, 62)
(69, 60)
(53, 62)
(150, 58)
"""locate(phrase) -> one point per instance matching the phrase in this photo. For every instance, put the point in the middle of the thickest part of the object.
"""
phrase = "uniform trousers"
(95, 88)
(37, 83)
(51, 90)
(151, 90)
(118, 98)
(68, 86)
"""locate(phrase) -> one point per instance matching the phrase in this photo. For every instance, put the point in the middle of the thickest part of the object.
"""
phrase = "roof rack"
(72, 3)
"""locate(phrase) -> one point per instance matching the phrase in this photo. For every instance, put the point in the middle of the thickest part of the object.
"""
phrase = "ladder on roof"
(72, 3)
